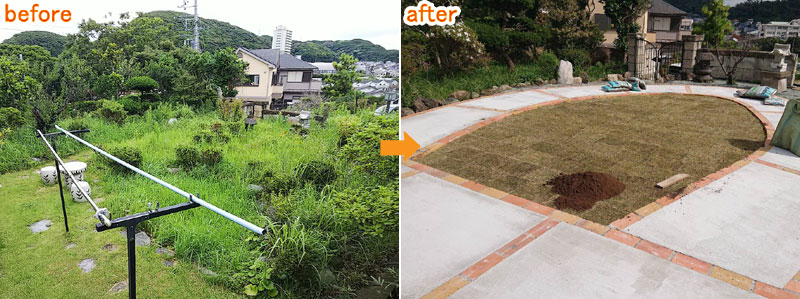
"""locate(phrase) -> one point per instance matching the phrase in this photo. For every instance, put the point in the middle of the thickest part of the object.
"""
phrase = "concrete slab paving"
(782, 157)
(745, 222)
(447, 228)
(404, 169)
(665, 88)
(714, 91)
(511, 101)
(773, 118)
(569, 262)
(429, 127)
(576, 91)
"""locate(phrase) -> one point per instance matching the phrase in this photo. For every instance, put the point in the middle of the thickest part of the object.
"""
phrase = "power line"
(196, 38)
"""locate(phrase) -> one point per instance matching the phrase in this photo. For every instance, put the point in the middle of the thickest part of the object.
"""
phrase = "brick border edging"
(613, 230)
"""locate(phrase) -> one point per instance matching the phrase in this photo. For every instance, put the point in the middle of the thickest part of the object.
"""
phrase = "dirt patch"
(579, 191)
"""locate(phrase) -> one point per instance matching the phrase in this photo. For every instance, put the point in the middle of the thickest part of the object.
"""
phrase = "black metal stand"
(58, 171)
(129, 223)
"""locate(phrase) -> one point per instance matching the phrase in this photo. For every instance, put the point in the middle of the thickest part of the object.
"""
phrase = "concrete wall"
(264, 90)
(751, 67)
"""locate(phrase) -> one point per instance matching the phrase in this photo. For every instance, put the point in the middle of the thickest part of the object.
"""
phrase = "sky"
(375, 20)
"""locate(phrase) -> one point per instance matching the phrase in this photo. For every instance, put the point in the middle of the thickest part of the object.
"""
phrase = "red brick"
(516, 200)
(793, 286)
(664, 201)
(621, 237)
(476, 270)
(420, 167)
(514, 245)
(626, 221)
(473, 186)
(539, 208)
(437, 173)
(542, 227)
(691, 263)
(769, 291)
(654, 249)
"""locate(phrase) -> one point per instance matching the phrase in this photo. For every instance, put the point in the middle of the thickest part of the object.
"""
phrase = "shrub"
(108, 86)
(578, 57)
(189, 157)
(128, 154)
(316, 172)
(133, 104)
(234, 127)
(456, 48)
(230, 110)
(86, 106)
(548, 62)
(204, 136)
(258, 173)
(141, 84)
(75, 123)
(11, 118)
(346, 125)
(372, 211)
(362, 148)
(111, 111)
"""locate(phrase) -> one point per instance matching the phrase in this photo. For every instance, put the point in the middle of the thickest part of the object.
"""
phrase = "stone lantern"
(778, 74)
(702, 69)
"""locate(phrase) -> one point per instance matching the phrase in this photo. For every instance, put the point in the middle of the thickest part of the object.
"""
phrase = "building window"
(661, 24)
(295, 77)
(603, 21)
(251, 80)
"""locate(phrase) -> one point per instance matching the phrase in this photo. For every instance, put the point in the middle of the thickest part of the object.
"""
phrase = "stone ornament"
(48, 175)
(76, 194)
(76, 168)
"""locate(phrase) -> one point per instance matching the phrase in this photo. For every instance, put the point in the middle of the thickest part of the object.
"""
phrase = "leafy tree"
(455, 48)
(716, 25)
(108, 86)
(623, 14)
(340, 84)
(506, 27)
(54, 43)
(141, 84)
(313, 52)
(569, 25)
(39, 62)
(15, 86)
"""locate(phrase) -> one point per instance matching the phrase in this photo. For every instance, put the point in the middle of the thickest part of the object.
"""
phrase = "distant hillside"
(363, 50)
(766, 11)
(215, 34)
(48, 40)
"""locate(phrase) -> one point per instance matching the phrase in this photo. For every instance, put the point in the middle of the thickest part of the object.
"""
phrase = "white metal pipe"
(99, 213)
(223, 213)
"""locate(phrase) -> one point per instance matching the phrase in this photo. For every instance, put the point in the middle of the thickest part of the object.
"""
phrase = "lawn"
(40, 266)
(329, 201)
(640, 140)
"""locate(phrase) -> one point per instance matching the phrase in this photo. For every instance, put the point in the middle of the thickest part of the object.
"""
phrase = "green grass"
(317, 243)
(434, 85)
(640, 140)
(39, 266)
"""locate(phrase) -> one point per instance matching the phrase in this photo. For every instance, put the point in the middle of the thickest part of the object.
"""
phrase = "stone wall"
(752, 66)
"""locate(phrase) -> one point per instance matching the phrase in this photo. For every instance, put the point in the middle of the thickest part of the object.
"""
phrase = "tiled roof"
(287, 61)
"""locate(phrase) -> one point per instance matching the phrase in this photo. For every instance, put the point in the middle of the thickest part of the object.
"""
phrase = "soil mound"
(580, 191)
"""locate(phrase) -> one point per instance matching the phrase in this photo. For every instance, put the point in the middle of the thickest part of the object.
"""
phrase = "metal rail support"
(129, 223)
(52, 137)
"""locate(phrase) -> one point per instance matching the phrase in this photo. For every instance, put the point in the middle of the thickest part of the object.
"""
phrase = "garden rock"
(70, 246)
(118, 287)
(165, 251)
(40, 226)
(564, 72)
(449, 101)
(407, 111)
(172, 121)
(476, 94)
(173, 170)
(553, 81)
(584, 77)
(208, 272)
(627, 75)
(110, 247)
(504, 87)
(255, 188)
(577, 80)
(169, 263)
(539, 81)
(460, 94)
(86, 265)
(613, 77)
(487, 92)
(142, 239)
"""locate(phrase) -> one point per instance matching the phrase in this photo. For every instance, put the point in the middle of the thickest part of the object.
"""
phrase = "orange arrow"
(405, 147)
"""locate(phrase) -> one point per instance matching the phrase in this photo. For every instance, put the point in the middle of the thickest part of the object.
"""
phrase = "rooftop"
(287, 61)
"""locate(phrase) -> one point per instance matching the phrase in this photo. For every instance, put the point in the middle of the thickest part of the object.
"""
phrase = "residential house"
(661, 22)
(324, 68)
(276, 78)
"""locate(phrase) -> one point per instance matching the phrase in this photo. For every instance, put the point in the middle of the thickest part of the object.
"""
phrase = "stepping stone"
(24, 176)
(173, 170)
(70, 246)
(169, 263)
(86, 265)
(98, 200)
(40, 226)
(255, 188)
(37, 160)
(166, 251)
(142, 239)
(110, 247)
(118, 287)
(206, 271)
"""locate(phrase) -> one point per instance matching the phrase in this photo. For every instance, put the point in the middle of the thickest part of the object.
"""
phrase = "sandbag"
(787, 134)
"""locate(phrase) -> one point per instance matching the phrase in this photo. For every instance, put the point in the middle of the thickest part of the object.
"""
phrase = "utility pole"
(196, 36)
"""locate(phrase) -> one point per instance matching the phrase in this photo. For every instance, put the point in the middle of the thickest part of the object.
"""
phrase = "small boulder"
(169, 263)
(165, 251)
(476, 95)
(255, 188)
(487, 92)
(142, 239)
(613, 77)
(37, 160)
(173, 170)
(564, 72)
(110, 247)
(504, 87)
(553, 81)
(539, 81)
(118, 287)
(449, 101)
(172, 121)
(584, 77)
(460, 95)
(407, 111)
(577, 80)
(627, 75)
(70, 246)
(206, 271)
(86, 265)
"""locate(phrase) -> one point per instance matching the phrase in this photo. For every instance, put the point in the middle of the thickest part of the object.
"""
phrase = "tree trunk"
(509, 61)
